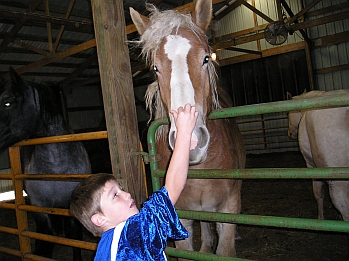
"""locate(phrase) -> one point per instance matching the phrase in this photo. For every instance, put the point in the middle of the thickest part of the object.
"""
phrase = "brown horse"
(176, 46)
(323, 136)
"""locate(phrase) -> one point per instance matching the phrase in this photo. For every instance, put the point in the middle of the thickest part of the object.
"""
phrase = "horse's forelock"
(161, 25)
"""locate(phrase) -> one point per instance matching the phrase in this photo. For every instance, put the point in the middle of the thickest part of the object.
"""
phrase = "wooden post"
(21, 216)
(118, 95)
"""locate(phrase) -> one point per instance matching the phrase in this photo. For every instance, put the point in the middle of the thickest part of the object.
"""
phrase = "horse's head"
(18, 110)
(176, 46)
(294, 117)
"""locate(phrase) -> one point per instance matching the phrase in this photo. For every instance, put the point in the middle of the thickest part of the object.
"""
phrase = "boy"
(101, 205)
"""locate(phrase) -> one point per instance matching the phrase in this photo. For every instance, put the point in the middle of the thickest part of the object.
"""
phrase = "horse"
(178, 50)
(28, 110)
(323, 136)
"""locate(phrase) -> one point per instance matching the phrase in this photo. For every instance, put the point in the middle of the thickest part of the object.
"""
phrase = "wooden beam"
(58, 56)
(303, 11)
(332, 69)
(29, 47)
(265, 53)
(48, 26)
(320, 21)
(328, 9)
(118, 95)
(241, 50)
(83, 83)
(61, 30)
(279, 10)
(45, 19)
(81, 69)
(228, 8)
(332, 39)
(256, 11)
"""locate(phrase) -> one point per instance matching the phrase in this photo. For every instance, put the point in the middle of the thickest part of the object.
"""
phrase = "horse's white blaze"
(182, 90)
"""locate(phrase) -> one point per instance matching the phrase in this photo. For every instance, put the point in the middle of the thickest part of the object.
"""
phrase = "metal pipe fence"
(267, 173)
(21, 208)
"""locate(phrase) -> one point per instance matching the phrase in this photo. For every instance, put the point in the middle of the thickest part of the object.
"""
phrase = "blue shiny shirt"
(144, 236)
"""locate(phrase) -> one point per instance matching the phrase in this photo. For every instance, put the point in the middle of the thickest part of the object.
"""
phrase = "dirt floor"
(272, 198)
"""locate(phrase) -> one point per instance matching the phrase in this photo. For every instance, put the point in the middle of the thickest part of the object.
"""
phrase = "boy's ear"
(98, 219)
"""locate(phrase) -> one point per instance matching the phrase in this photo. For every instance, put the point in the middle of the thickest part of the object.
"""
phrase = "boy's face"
(117, 205)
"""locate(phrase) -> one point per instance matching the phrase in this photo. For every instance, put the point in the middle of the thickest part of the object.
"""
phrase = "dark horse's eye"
(206, 59)
(9, 101)
(155, 69)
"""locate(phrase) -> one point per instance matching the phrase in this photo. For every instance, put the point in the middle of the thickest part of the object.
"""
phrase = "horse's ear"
(202, 14)
(289, 96)
(17, 81)
(141, 22)
(15, 77)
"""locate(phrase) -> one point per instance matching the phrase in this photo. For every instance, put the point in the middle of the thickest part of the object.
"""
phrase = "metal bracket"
(148, 158)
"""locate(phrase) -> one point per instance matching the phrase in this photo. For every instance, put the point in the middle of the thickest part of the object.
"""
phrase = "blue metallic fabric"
(145, 234)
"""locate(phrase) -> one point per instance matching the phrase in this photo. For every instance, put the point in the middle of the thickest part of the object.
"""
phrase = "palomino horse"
(28, 111)
(177, 48)
(323, 136)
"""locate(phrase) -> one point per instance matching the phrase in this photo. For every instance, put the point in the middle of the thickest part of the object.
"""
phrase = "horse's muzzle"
(201, 137)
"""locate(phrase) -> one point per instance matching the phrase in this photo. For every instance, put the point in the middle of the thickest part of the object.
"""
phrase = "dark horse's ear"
(289, 96)
(16, 80)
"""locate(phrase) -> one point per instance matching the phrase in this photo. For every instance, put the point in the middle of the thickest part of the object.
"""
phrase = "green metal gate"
(266, 173)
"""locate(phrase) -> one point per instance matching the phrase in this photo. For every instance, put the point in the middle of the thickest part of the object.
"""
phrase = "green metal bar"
(266, 173)
(284, 222)
(152, 150)
(291, 105)
(199, 256)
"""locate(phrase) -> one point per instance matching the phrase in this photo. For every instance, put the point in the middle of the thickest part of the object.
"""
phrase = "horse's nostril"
(172, 139)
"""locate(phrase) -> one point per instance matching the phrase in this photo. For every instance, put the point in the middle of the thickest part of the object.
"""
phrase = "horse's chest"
(204, 194)
(41, 159)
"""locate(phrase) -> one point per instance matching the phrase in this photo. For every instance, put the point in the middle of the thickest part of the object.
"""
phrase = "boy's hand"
(185, 120)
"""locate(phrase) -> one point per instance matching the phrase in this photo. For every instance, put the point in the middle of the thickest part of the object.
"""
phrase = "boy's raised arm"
(176, 175)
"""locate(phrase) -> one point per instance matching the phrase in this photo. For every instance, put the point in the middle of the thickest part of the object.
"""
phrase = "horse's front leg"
(206, 238)
(318, 192)
(226, 239)
(43, 226)
(187, 243)
(227, 232)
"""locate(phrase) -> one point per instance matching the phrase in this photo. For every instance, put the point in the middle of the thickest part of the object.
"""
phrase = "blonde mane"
(317, 93)
(161, 25)
(310, 94)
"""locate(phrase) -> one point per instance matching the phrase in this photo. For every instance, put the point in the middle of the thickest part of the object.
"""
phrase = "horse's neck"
(52, 127)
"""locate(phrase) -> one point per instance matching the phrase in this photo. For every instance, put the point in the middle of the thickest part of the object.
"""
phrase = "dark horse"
(29, 111)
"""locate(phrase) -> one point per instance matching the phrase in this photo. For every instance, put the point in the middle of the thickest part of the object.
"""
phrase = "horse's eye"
(206, 59)
(7, 104)
(155, 69)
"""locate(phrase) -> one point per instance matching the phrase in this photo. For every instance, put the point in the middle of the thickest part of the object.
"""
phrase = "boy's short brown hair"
(86, 200)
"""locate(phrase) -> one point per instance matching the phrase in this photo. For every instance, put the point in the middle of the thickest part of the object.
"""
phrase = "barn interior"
(264, 50)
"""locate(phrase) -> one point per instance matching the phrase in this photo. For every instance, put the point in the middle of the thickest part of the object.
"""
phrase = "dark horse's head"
(23, 114)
